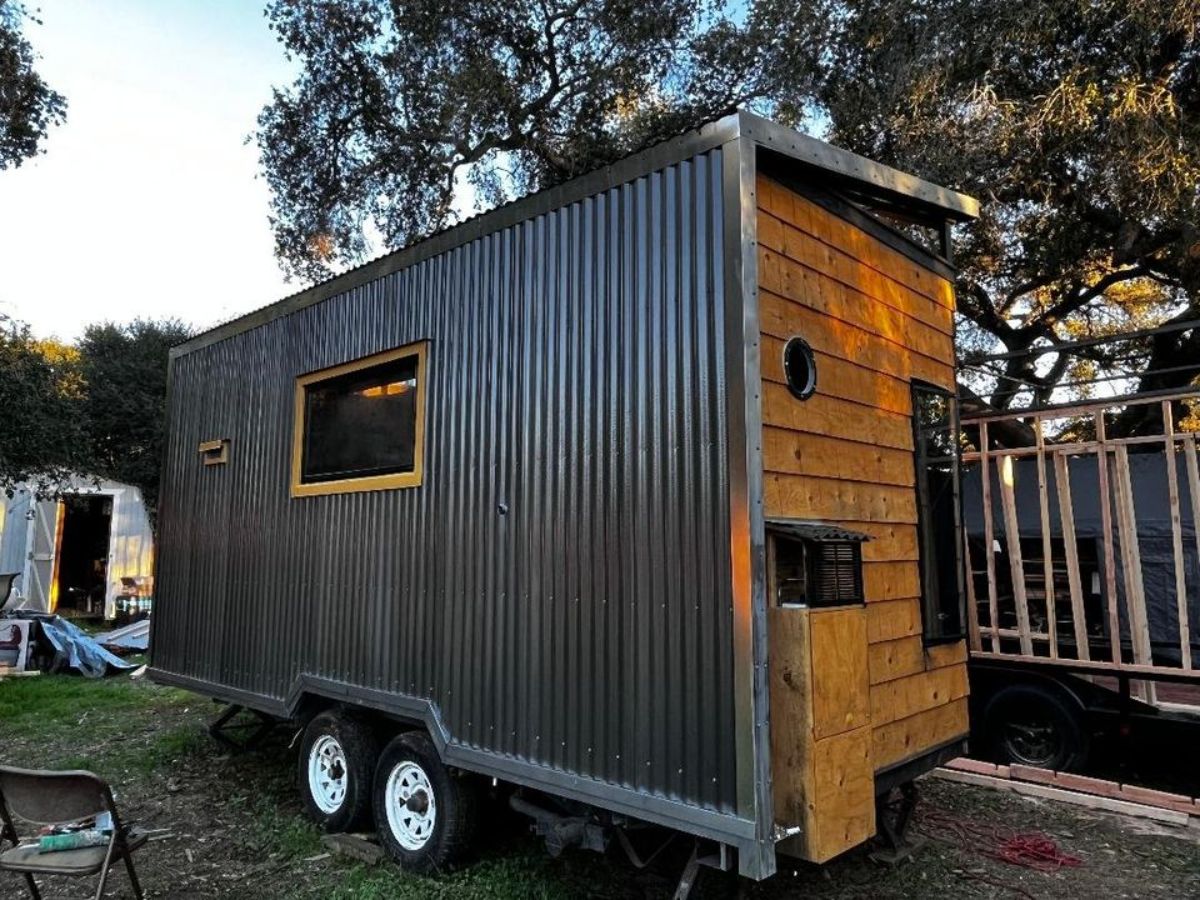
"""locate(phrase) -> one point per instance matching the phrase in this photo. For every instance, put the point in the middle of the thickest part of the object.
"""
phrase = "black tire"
(411, 765)
(353, 751)
(1036, 726)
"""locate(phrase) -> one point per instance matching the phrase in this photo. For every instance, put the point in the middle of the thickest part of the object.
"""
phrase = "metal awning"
(821, 532)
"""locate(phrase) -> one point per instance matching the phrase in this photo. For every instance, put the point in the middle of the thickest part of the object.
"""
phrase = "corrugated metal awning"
(821, 532)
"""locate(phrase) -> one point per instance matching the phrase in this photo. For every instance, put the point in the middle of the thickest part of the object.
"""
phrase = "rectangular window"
(360, 426)
(813, 564)
(935, 435)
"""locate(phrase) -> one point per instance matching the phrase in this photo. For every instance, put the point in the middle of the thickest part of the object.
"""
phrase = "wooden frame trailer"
(1083, 616)
(634, 494)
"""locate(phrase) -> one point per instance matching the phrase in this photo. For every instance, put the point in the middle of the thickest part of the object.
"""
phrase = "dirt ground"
(230, 825)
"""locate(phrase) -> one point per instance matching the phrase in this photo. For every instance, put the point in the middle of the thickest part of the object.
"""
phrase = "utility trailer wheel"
(337, 760)
(426, 816)
(1034, 726)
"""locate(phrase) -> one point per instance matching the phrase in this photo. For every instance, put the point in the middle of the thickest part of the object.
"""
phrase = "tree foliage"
(1074, 121)
(124, 369)
(398, 101)
(1077, 123)
(41, 397)
(28, 106)
(95, 409)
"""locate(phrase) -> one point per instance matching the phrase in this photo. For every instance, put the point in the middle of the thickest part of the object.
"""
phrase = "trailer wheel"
(426, 815)
(1034, 726)
(337, 758)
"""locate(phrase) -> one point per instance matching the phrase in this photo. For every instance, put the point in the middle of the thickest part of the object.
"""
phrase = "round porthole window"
(800, 368)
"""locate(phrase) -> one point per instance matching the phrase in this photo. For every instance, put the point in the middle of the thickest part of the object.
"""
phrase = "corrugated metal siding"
(576, 377)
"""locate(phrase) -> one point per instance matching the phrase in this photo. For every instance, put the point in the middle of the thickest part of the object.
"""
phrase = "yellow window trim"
(369, 482)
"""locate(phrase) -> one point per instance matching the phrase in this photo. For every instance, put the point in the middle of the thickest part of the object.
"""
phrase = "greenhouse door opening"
(85, 524)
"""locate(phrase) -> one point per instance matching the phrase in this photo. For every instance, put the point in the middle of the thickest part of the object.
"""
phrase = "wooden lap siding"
(875, 320)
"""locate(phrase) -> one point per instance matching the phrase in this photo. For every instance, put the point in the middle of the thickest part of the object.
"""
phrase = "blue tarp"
(81, 650)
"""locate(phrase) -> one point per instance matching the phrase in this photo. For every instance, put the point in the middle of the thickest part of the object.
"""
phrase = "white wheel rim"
(327, 775)
(411, 807)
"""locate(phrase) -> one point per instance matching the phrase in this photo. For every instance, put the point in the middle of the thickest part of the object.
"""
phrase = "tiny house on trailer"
(631, 492)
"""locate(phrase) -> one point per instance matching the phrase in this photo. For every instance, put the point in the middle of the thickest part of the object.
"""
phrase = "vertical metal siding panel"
(575, 381)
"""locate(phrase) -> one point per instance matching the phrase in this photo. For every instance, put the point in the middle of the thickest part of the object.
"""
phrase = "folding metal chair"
(59, 798)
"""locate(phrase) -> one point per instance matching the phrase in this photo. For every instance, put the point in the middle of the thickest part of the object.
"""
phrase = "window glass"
(362, 423)
(935, 425)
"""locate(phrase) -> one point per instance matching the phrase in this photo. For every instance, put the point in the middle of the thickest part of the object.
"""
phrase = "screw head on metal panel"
(502, 508)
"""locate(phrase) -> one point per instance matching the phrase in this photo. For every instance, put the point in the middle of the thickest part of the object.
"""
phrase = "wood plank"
(1181, 597)
(869, 250)
(790, 688)
(972, 601)
(842, 378)
(824, 786)
(906, 697)
(908, 738)
(1091, 801)
(1012, 544)
(891, 580)
(828, 416)
(841, 686)
(989, 535)
(892, 619)
(1193, 476)
(803, 497)
(843, 792)
(1135, 593)
(801, 453)
(783, 318)
(819, 289)
(1047, 543)
(889, 542)
(806, 232)
(890, 660)
(1066, 514)
(906, 656)
(1106, 527)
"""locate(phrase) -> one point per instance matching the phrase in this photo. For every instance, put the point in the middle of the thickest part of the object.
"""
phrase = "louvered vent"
(836, 573)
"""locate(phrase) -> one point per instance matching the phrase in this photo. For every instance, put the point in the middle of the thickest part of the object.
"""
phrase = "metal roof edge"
(819, 154)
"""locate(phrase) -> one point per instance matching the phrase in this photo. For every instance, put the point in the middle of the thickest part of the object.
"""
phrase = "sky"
(146, 202)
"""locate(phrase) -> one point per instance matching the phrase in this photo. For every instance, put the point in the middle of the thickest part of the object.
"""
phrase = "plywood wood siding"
(876, 320)
(821, 737)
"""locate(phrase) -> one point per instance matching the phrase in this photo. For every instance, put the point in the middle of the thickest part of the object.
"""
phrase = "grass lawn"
(234, 827)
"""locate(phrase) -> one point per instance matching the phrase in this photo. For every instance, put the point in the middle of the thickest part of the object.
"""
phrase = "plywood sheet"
(904, 739)
(843, 794)
(798, 453)
(903, 322)
(782, 318)
(842, 378)
(790, 686)
(891, 580)
(904, 656)
(824, 415)
(841, 686)
(800, 496)
(892, 619)
(904, 697)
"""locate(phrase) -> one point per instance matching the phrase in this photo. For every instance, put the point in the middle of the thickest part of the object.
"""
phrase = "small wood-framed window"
(361, 426)
(813, 564)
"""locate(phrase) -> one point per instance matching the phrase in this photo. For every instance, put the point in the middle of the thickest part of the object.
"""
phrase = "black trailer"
(505, 494)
